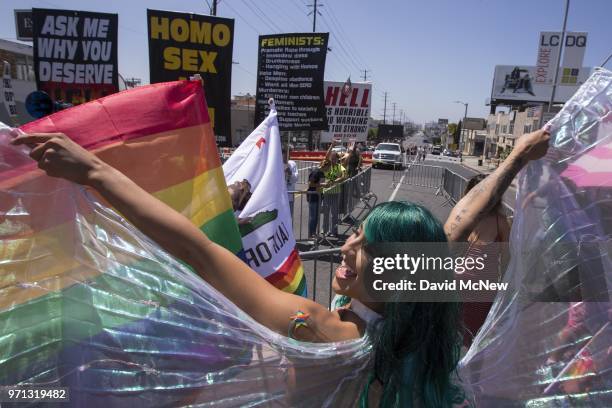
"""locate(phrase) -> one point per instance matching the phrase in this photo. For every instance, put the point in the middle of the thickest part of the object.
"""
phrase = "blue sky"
(425, 54)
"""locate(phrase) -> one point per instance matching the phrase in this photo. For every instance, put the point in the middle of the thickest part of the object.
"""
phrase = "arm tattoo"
(495, 185)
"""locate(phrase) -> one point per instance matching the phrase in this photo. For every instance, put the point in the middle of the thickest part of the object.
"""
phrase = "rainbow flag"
(86, 301)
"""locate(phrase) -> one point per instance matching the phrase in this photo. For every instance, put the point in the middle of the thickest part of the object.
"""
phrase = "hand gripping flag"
(265, 221)
(547, 341)
(89, 303)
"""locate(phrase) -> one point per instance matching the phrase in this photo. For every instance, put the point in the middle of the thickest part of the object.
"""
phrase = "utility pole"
(385, 111)
(314, 15)
(213, 8)
(393, 122)
(314, 30)
(561, 46)
(365, 75)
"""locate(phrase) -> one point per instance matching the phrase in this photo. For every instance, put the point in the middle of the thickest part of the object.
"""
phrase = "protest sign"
(290, 70)
(75, 54)
(184, 44)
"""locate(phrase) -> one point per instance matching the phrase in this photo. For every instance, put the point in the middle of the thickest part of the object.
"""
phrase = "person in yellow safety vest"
(335, 174)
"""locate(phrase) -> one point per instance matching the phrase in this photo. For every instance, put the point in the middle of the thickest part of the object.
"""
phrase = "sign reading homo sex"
(184, 44)
(75, 54)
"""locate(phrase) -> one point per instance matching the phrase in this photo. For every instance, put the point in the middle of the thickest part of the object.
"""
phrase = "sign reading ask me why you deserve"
(75, 54)
(184, 44)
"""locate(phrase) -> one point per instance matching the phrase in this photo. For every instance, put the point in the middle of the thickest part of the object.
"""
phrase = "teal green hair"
(417, 347)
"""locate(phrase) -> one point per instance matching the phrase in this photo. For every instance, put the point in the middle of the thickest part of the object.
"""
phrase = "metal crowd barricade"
(304, 169)
(319, 282)
(453, 186)
(336, 206)
(420, 175)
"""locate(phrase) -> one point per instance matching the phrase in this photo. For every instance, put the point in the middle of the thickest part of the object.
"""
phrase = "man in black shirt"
(315, 179)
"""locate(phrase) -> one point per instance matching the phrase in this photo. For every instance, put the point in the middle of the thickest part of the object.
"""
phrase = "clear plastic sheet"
(130, 326)
(548, 341)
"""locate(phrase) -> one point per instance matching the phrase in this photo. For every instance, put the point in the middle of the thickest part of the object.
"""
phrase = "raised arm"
(59, 156)
(485, 195)
(329, 150)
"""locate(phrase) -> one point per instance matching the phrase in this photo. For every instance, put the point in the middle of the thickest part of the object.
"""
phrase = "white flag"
(265, 220)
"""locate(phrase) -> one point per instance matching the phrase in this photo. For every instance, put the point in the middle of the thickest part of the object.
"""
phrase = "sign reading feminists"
(184, 44)
(290, 70)
(75, 54)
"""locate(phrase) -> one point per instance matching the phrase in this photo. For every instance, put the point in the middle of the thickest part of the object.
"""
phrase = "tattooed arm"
(485, 195)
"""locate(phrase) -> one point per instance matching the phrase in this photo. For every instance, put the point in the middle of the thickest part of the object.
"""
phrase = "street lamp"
(462, 126)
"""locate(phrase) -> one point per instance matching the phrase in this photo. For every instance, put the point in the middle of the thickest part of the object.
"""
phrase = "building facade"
(23, 82)
(504, 128)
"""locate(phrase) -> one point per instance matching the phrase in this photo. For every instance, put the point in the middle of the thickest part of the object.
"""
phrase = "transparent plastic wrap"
(547, 341)
(94, 305)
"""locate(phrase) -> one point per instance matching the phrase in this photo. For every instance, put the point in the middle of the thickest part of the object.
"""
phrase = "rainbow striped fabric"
(77, 284)
(161, 137)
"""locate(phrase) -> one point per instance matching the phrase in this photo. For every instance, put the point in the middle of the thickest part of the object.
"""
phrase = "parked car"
(339, 149)
(388, 154)
(436, 150)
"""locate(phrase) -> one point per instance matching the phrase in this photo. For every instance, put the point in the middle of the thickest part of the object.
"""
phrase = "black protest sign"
(184, 44)
(290, 70)
(23, 25)
(75, 54)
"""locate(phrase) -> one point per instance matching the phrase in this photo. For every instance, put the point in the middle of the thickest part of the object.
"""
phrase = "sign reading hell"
(182, 45)
(348, 111)
(75, 54)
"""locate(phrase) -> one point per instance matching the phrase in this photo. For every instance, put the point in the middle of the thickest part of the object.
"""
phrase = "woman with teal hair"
(415, 345)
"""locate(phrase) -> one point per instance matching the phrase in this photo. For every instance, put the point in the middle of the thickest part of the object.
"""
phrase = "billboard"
(348, 111)
(290, 69)
(517, 83)
(549, 47)
(389, 132)
(573, 52)
(184, 44)
(75, 54)
(443, 122)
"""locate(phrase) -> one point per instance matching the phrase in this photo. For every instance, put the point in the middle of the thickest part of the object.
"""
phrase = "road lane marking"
(394, 193)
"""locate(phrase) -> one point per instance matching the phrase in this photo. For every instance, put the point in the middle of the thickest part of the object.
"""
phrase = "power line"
(337, 54)
(246, 70)
(286, 15)
(340, 61)
(242, 18)
(264, 19)
(348, 41)
(339, 42)
(302, 11)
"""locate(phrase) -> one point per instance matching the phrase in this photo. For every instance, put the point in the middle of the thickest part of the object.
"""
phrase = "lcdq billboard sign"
(548, 52)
